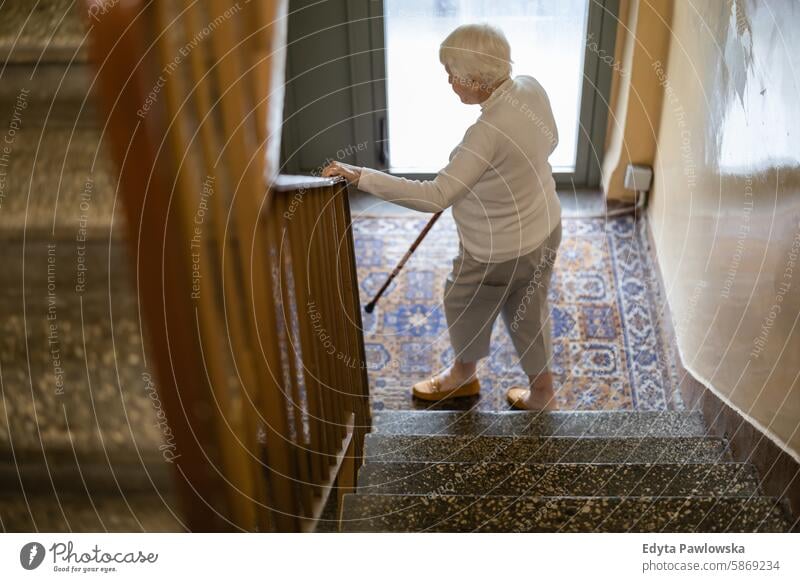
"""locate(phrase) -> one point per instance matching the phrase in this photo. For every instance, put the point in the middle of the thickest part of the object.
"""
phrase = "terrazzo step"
(416, 513)
(89, 513)
(126, 469)
(468, 449)
(42, 31)
(560, 423)
(48, 94)
(561, 479)
(103, 397)
(59, 184)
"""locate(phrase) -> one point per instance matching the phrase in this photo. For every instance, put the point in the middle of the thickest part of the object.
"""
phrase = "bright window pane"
(427, 120)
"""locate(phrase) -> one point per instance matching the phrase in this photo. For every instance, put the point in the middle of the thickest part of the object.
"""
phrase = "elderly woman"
(501, 188)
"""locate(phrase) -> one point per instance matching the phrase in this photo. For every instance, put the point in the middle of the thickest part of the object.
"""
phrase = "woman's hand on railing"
(346, 171)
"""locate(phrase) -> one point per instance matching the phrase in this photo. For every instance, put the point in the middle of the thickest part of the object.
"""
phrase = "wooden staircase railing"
(246, 279)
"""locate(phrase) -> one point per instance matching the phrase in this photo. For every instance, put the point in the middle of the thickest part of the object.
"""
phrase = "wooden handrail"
(248, 289)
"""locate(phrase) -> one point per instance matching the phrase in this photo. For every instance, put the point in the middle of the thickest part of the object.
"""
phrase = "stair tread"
(560, 423)
(145, 469)
(73, 512)
(561, 479)
(59, 179)
(46, 31)
(463, 448)
(106, 399)
(405, 513)
(48, 94)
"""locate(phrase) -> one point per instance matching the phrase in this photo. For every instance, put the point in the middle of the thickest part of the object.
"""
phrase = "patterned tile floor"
(609, 350)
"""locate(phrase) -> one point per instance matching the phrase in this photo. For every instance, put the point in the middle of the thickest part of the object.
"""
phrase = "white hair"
(478, 52)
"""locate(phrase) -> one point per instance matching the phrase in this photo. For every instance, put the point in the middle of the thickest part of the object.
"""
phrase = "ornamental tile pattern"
(608, 349)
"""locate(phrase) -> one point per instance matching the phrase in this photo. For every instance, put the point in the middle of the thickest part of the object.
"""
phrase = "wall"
(725, 209)
(643, 37)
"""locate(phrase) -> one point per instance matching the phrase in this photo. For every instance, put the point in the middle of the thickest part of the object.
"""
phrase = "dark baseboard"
(779, 472)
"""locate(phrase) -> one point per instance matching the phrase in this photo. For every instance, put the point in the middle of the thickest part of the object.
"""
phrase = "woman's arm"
(470, 160)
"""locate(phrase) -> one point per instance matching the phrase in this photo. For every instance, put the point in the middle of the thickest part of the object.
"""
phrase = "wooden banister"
(246, 278)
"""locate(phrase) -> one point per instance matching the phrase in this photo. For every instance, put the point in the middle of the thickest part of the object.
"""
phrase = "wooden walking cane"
(371, 305)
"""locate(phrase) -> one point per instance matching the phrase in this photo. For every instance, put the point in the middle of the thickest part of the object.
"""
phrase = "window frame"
(366, 33)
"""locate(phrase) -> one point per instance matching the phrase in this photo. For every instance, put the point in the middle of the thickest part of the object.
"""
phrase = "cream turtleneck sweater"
(498, 181)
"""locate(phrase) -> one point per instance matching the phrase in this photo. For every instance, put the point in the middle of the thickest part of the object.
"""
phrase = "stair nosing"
(774, 499)
(535, 413)
(568, 463)
(374, 512)
(390, 475)
(548, 436)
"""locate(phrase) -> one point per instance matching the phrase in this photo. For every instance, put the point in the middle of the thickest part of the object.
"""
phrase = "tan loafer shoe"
(517, 398)
(431, 389)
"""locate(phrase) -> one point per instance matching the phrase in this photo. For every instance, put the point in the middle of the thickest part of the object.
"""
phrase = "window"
(547, 41)
(368, 73)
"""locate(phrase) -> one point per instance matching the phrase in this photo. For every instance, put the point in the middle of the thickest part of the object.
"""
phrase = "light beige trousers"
(475, 293)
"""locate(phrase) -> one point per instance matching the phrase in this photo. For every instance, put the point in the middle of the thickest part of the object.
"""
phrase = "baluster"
(351, 363)
(186, 191)
(297, 229)
(127, 68)
(348, 281)
(252, 244)
(339, 386)
(284, 262)
(317, 250)
(234, 314)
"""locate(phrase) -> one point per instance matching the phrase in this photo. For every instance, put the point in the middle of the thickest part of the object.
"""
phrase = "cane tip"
(369, 307)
